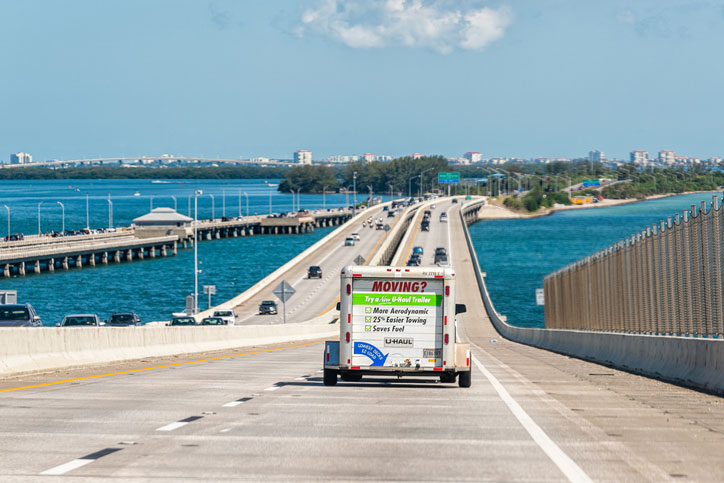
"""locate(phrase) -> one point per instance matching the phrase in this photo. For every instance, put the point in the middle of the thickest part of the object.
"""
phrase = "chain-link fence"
(665, 280)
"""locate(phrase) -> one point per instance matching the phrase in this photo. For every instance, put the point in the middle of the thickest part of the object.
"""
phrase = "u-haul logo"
(398, 342)
(388, 286)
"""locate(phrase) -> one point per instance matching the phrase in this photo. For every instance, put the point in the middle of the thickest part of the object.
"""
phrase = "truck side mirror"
(460, 309)
(338, 305)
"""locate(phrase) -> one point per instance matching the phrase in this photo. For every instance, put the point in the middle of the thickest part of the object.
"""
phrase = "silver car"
(81, 320)
(19, 315)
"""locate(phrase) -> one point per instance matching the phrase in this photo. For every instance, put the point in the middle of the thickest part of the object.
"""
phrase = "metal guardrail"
(665, 280)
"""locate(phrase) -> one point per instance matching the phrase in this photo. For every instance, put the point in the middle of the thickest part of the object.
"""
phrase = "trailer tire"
(330, 377)
(447, 377)
(465, 379)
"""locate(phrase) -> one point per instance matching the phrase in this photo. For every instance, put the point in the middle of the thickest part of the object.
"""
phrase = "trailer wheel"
(447, 377)
(330, 377)
(465, 379)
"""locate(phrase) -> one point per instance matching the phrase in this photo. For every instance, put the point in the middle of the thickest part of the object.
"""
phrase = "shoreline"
(496, 211)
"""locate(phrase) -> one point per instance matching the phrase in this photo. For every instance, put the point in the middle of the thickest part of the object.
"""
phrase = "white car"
(355, 236)
(226, 315)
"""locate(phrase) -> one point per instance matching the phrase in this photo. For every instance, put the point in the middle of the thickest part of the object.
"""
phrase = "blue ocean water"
(152, 288)
(516, 254)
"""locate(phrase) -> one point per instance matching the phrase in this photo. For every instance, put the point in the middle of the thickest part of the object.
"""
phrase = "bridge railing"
(664, 280)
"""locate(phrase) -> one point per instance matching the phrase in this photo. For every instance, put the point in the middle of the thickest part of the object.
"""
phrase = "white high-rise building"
(303, 157)
(639, 156)
(474, 157)
(20, 158)
(667, 157)
(596, 156)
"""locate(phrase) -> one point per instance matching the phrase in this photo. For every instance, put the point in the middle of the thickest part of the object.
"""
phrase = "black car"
(314, 271)
(268, 307)
(440, 251)
(123, 319)
(425, 226)
(183, 321)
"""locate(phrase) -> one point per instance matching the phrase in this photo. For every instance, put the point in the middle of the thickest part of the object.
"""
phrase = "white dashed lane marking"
(178, 424)
(77, 463)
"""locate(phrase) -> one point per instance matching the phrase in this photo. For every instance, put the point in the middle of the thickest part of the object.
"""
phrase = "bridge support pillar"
(191, 242)
(234, 233)
(217, 235)
(208, 235)
(163, 251)
(104, 258)
(175, 248)
(117, 256)
(21, 268)
(6, 271)
(129, 255)
(141, 253)
(36, 266)
(251, 231)
(242, 232)
(64, 263)
(51, 265)
(92, 259)
(152, 252)
(79, 262)
(183, 243)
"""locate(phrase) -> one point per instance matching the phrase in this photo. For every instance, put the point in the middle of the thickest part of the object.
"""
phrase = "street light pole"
(175, 203)
(62, 209)
(422, 173)
(323, 192)
(213, 208)
(197, 193)
(354, 193)
(223, 202)
(87, 212)
(6, 207)
(151, 202)
(189, 212)
(110, 212)
(39, 232)
(247, 202)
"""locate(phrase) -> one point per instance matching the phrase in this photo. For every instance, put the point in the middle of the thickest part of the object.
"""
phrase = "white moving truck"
(397, 321)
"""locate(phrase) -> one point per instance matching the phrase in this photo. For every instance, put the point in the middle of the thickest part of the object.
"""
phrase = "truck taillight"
(349, 289)
(347, 337)
(447, 291)
(447, 338)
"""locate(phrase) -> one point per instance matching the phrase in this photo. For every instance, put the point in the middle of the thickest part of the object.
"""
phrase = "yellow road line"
(154, 367)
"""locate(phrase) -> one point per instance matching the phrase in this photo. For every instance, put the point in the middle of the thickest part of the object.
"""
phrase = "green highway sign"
(448, 178)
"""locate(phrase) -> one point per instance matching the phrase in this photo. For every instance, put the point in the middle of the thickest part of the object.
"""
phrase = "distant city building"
(714, 160)
(416, 155)
(639, 156)
(368, 157)
(550, 160)
(596, 156)
(259, 159)
(473, 157)
(458, 161)
(340, 158)
(20, 158)
(303, 157)
(667, 157)
(384, 158)
(690, 160)
(497, 160)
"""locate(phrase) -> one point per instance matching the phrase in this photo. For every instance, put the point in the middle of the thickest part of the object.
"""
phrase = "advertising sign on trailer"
(397, 323)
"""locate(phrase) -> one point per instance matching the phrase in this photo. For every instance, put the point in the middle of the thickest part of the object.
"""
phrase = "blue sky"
(264, 78)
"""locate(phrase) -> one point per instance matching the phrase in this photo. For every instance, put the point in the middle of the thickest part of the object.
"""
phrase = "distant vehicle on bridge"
(213, 321)
(178, 321)
(81, 320)
(227, 316)
(315, 271)
(19, 315)
(268, 307)
(123, 319)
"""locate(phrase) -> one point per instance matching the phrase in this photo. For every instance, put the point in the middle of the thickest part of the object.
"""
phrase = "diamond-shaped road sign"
(359, 260)
(284, 291)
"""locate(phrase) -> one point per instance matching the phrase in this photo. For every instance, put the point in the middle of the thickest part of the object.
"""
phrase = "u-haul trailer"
(397, 321)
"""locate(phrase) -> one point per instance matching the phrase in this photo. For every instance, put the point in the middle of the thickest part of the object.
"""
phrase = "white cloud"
(413, 23)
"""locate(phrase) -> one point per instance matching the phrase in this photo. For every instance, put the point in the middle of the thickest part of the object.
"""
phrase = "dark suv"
(268, 307)
(314, 271)
(123, 319)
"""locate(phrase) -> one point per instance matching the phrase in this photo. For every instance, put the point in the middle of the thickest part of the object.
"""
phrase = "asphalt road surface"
(264, 414)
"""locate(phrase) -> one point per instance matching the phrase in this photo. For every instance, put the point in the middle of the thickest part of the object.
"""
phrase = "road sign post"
(448, 178)
(210, 290)
(284, 292)
(359, 260)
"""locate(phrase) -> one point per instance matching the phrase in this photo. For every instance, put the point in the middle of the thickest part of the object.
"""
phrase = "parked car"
(19, 315)
(123, 319)
(213, 321)
(81, 320)
(227, 316)
(314, 271)
(183, 321)
(349, 241)
(268, 307)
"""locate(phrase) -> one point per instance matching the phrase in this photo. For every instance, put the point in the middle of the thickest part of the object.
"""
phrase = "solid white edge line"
(69, 466)
(172, 426)
(564, 463)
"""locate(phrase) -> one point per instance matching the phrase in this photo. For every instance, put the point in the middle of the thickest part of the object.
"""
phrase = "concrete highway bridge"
(247, 402)
(148, 161)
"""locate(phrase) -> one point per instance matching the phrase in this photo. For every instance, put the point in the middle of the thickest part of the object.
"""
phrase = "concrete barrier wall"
(694, 362)
(31, 349)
